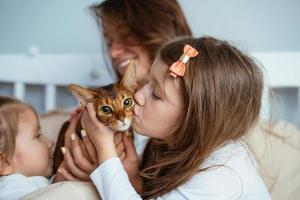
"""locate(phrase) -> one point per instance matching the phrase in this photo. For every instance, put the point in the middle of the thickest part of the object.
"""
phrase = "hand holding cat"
(101, 136)
(77, 166)
(103, 139)
(75, 151)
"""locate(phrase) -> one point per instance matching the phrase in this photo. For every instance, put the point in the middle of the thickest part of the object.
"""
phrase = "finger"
(71, 129)
(69, 162)
(129, 147)
(58, 176)
(89, 146)
(92, 112)
(118, 138)
(122, 156)
(84, 150)
(76, 111)
(120, 149)
(79, 159)
(66, 175)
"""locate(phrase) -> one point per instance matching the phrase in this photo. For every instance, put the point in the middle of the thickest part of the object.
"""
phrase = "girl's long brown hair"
(222, 90)
(152, 23)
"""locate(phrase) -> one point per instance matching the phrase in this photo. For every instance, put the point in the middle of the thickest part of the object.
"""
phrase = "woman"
(134, 29)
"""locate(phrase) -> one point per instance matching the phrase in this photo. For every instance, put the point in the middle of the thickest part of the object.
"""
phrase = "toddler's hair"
(10, 109)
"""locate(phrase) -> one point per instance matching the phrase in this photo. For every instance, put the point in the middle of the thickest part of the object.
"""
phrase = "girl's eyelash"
(39, 134)
(155, 96)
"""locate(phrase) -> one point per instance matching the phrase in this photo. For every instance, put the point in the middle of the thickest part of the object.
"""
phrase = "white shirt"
(236, 179)
(16, 186)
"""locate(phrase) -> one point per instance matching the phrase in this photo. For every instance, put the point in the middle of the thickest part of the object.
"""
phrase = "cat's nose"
(121, 119)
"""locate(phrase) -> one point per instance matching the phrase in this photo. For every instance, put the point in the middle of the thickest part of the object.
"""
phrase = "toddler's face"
(32, 155)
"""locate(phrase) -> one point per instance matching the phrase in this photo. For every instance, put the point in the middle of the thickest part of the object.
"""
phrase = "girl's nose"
(139, 97)
(116, 49)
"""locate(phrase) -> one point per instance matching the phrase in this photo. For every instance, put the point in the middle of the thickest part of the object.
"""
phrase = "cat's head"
(113, 103)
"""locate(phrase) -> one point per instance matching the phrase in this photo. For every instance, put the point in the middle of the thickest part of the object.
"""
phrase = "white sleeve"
(112, 181)
(18, 192)
(220, 183)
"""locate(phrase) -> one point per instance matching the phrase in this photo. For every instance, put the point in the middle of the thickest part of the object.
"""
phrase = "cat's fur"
(116, 99)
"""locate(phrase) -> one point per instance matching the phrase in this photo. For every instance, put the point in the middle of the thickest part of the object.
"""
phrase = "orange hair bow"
(178, 68)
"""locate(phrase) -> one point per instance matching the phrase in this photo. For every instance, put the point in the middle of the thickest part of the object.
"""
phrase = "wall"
(65, 28)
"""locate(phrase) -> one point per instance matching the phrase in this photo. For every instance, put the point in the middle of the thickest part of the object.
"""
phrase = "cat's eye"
(127, 103)
(106, 110)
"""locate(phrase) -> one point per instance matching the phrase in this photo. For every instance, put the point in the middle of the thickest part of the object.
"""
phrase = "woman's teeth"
(124, 63)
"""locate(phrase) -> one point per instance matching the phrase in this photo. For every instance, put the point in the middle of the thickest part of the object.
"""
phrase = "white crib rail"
(52, 71)
(282, 70)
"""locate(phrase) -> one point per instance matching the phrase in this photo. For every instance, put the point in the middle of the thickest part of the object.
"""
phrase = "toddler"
(25, 153)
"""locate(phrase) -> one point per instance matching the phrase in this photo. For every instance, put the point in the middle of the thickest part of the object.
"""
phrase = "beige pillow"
(276, 147)
(66, 190)
(277, 150)
(51, 123)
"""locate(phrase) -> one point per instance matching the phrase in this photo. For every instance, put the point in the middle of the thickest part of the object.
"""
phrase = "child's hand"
(101, 136)
(74, 119)
(77, 112)
(76, 165)
(70, 171)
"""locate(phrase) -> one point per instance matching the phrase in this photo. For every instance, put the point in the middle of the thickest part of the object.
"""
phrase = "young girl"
(203, 95)
(25, 154)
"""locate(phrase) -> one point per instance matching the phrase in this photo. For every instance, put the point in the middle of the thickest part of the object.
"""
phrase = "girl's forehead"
(169, 85)
(159, 69)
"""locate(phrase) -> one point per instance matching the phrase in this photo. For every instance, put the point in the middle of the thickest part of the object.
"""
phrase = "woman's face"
(159, 103)
(122, 48)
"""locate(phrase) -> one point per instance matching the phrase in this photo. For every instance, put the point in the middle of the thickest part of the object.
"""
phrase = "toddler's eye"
(106, 110)
(127, 103)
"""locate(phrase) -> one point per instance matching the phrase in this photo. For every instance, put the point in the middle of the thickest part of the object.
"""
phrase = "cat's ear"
(83, 95)
(129, 77)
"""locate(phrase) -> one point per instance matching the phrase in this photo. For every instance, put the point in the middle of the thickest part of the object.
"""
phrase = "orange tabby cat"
(113, 104)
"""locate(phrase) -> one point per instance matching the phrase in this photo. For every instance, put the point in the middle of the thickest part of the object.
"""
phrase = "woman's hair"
(151, 23)
(222, 90)
(9, 114)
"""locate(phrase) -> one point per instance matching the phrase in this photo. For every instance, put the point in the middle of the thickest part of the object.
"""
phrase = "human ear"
(6, 167)
(83, 95)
